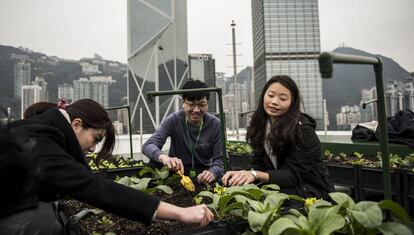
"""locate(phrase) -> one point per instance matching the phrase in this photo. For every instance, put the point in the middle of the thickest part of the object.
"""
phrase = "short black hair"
(193, 84)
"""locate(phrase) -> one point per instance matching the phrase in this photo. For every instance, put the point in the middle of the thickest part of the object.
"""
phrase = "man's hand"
(205, 177)
(172, 163)
(232, 178)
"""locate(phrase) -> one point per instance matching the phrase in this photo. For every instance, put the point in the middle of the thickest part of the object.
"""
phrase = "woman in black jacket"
(63, 136)
(287, 151)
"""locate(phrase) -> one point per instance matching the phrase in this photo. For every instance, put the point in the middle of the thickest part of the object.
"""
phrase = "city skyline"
(379, 27)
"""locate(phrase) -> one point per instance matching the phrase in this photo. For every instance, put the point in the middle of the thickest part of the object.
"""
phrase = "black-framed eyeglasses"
(201, 105)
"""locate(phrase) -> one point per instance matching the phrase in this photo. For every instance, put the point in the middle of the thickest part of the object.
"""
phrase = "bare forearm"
(168, 211)
(262, 176)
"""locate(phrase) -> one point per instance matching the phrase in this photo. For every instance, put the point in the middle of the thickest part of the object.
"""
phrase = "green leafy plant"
(159, 175)
(105, 221)
(112, 162)
(345, 217)
(239, 148)
(142, 184)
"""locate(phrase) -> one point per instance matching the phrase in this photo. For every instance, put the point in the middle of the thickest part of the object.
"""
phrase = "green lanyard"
(189, 140)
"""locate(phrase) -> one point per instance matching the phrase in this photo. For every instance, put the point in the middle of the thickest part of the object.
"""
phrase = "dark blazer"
(64, 171)
(301, 169)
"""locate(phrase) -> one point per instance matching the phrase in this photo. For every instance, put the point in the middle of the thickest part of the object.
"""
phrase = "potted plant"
(240, 155)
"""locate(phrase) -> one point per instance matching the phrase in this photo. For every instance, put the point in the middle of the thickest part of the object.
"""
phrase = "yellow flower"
(310, 201)
(219, 190)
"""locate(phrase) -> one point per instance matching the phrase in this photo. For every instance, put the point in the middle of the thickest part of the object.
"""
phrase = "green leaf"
(255, 205)
(258, 220)
(368, 214)
(275, 200)
(145, 170)
(166, 189)
(142, 185)
(224, 200)
(206, 194)
(232, 206)
(297, 198)
(392, 228)
(282, 224)
(343, 199)
(271, 186)
(396, 209)
(163, 173)
(125, 181)
(304, 223)
(330, 224)
(255, 193)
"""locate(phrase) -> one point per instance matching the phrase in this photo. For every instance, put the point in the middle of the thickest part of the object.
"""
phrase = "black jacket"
(64, 171)
(303, 168)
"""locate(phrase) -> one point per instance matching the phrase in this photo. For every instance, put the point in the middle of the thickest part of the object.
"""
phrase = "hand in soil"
(205, 177)
(197, 214)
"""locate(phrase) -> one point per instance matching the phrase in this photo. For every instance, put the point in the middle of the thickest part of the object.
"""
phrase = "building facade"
(81, 89)
(157, 58)
(30, 94)
(66, 91)
(203, 67)
(22, 72)
(286, 40)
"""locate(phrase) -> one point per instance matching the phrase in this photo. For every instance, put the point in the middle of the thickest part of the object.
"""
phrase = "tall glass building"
(203, 67)
(286, 41)
(157, 58)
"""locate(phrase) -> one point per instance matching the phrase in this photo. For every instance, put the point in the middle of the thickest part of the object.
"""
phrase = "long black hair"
(93, 115)
(285, 131)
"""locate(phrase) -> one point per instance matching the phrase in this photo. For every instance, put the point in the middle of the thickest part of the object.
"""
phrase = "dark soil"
(95, 224)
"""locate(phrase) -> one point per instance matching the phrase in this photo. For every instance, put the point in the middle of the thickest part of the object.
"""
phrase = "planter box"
(372, 185)
(125, 171)
(240, 161)
(346, 176)
(408, 191)
(219, 228)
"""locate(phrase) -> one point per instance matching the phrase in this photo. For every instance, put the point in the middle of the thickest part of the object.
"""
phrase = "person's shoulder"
(305, 120)
(212, 118)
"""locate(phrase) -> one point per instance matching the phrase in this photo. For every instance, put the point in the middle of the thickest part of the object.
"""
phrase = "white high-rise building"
(66, 91)
(30, 94)
(82, 89)
(40, 81)
(100, 89)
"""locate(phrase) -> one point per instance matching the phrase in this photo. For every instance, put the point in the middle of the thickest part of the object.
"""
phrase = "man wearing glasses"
(196, 147)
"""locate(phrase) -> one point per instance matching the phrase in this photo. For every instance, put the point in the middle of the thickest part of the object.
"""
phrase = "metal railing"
(326, 61)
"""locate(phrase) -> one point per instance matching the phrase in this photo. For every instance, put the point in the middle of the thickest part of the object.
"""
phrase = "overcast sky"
(79, 28)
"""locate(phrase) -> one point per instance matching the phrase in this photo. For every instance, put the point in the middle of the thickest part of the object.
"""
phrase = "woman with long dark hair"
(62, 138)
(287, 151)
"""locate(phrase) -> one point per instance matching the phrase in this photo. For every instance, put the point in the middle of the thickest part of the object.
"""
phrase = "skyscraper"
(40, 81)
(100, 89)
(66, 91)
(157, 57)
(21, 77)
(30, 94)
(286, 41)
(203, 67)
(81, 89)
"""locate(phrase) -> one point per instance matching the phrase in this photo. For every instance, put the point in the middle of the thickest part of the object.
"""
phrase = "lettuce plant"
(142, 184)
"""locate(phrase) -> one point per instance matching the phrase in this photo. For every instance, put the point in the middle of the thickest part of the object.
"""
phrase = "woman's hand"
(189, 215)
(196, 214)
(232, 178)
(172, 163)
